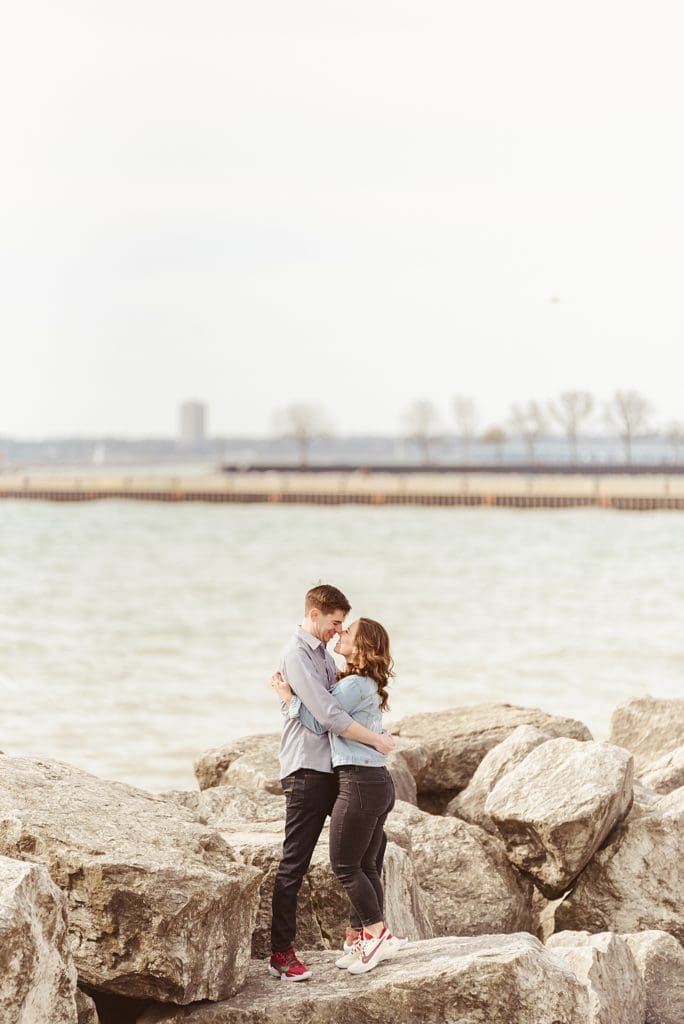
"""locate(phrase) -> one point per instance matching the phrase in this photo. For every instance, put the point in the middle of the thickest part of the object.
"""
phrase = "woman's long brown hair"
(372, 657)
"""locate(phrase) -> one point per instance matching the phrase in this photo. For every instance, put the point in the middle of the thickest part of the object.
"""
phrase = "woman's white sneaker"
(392, 946)
(351, 953)
(371, 950)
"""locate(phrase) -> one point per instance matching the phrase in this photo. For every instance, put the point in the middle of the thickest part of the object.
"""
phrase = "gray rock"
(558, 806)
(159, 907)
(37, 973)
(605, 965)
(492, 978)
(501, 759)
(649, 728)
(87, 1011)
(231, 808)
(665, 774)
(404, 783)
(636, 882)
(250, 762)
(443, 748)
(660, 961)
(469, 885)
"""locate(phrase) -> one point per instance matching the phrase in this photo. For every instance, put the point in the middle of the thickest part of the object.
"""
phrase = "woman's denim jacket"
(358, 695)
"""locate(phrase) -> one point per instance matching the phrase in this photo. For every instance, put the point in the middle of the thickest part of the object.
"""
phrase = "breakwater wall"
(637, 492)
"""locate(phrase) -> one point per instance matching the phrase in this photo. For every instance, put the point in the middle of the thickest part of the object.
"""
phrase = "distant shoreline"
(510, 488)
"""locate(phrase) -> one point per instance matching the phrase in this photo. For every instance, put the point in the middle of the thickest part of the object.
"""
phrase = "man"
(306, 773)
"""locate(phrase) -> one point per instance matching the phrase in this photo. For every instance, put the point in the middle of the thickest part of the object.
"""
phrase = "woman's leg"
(371, 865)
(355, 922)
(351, 831)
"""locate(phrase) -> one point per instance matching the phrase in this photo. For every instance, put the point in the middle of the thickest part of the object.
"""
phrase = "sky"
(353, 204)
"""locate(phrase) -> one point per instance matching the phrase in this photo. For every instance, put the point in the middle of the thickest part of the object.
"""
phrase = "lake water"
(135, 635)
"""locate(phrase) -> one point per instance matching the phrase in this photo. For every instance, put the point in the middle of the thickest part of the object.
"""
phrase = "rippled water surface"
(135, 635)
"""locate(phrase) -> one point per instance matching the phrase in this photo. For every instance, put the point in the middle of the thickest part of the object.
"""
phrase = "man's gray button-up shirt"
(311, 672)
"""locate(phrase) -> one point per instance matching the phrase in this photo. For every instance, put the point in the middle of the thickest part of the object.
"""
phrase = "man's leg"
(309, 796)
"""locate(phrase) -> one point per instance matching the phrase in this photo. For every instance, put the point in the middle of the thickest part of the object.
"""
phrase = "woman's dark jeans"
(357, 837)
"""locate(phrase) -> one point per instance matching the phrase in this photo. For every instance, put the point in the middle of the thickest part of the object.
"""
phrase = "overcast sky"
(354, 203)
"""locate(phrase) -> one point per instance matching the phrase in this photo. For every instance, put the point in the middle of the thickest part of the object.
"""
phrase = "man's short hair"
(327, 599)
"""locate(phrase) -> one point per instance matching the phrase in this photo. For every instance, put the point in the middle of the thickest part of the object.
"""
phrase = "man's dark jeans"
(357, 836)
(309, 796)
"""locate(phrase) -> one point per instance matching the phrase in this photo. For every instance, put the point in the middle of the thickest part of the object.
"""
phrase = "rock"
(544, 915)
(443, 748)
(250, 762)
(231, 808)
(404, 783)
(636, 882)
(660, 961)
(253, 823)
(605, 965)
(648, 728)
(491, 978)
(501, 759)
(558, 806)
(87, 1011)
(470, 888)
(159, 907)
(37, 973)
(665, 774)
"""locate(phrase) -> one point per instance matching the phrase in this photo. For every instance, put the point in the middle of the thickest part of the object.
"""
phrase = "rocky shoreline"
(538, 873)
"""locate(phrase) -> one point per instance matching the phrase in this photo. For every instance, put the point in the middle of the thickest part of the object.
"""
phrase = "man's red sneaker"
(287, 967)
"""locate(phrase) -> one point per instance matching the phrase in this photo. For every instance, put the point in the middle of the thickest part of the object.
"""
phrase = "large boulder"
(443, 748)
(250, 762)
(660, 961)
(469, 885)
(636, 882)
(469, 804)
(159, 906)
(37, 973)
(253, 823)
(558, 806)
(665, 774)
(648, 728)
(495, 978)
(231, 808)
(605, 965)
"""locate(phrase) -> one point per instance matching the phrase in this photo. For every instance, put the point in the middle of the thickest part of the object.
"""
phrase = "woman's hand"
(281, 687)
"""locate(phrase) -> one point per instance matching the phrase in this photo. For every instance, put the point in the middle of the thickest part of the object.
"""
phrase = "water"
(135, 635)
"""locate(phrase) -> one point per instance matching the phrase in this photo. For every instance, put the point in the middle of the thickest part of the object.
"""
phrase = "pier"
(643, 491)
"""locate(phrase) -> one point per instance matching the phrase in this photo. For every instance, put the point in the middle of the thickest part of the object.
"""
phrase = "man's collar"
(312, 641)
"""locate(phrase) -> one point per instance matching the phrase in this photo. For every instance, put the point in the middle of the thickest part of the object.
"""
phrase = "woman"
(366, 789)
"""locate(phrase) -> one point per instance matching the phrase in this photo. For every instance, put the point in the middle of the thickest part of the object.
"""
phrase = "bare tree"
(675, 435)
(570, 411)
(628, 412)
(496, 436)
(465, 414)
(422, 426)
(530, 423)
(303, 423)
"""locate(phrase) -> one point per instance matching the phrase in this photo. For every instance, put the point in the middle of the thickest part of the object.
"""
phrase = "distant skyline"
(355, 205)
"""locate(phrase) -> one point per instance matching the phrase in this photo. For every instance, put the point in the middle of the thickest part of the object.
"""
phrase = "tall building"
(192, 424)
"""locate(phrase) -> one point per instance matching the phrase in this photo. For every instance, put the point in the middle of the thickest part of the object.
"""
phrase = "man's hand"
(385, 743)
(281, 687)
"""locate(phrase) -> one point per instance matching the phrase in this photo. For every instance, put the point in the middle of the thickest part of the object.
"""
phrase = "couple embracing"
(332, 762)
